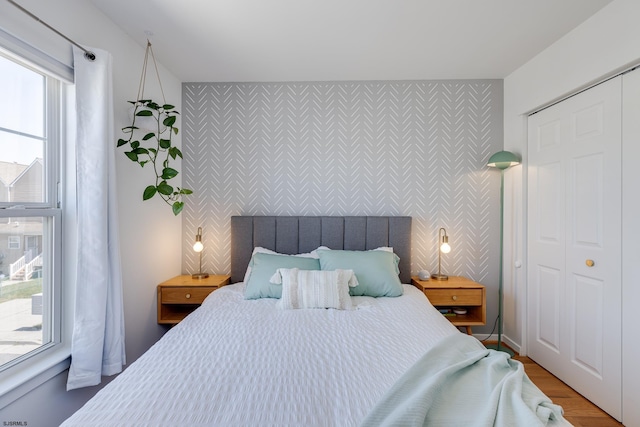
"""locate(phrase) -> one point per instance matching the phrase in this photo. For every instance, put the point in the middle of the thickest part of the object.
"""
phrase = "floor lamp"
(501, 160)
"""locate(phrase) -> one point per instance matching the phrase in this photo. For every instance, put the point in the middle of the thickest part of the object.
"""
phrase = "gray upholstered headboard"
(300, 234)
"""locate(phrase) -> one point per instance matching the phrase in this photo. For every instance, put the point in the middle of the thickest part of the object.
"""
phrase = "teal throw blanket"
(461, 383)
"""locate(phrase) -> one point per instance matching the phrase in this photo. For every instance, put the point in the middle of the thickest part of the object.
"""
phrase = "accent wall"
(416, 148)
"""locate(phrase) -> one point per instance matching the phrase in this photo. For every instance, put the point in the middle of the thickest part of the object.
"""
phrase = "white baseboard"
(494, 337)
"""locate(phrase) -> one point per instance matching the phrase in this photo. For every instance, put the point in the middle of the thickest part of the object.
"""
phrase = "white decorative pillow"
(314, 288)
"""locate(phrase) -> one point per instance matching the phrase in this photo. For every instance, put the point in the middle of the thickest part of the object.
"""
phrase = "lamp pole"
(502, 160)
(500, 279)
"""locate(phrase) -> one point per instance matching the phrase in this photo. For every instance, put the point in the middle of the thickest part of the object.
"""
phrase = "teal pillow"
(265, 265)
(377, 271)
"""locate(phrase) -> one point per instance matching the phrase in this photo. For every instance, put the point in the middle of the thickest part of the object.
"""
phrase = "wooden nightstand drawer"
(454, 296)
(180, 296)
(186, 295)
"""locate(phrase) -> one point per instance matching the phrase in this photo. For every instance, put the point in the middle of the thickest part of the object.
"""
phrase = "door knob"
(590, 263)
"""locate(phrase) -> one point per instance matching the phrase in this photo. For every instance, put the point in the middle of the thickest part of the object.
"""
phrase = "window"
(30, 212)
(14, 242)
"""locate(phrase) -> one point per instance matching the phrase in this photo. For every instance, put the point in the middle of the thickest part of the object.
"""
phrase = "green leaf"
(164, 188)
(149, 192)
(168, 173)
(165, 116)
(177, 207)
(169, 121)
(133, 156)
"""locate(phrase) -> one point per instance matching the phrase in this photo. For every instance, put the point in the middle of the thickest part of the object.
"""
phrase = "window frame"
(28, 371)
(12, 243)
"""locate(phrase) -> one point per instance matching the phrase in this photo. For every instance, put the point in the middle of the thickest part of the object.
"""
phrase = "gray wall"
(148, 257)
(415, 148)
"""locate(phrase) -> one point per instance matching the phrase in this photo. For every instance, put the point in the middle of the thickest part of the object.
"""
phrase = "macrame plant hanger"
(143, 76)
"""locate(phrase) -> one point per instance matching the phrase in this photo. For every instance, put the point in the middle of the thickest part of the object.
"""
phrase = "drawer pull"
(590, 263)
(454, 297)
(188, 296)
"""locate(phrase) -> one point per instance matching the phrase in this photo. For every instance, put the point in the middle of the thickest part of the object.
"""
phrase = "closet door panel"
(588, 201)
(548, 307)
(587, 323)
(550, 204)
(546, 231)
(594, 210)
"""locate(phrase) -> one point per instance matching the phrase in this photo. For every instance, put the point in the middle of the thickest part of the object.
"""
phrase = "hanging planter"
(150, 142)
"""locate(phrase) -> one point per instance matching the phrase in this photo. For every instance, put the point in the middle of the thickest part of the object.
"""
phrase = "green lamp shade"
(503, 159)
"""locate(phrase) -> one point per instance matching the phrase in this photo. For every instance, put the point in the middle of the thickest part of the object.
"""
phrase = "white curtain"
(98, 332)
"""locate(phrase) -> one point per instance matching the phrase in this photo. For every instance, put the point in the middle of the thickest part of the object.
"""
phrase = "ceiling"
(336, 40)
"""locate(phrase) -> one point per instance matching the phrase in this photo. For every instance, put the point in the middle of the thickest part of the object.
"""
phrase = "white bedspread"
(235, 362)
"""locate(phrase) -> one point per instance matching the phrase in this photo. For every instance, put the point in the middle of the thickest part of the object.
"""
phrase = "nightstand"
(457, 292)
(181, 295)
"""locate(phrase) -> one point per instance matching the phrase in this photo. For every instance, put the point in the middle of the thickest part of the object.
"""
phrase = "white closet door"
(574, 232)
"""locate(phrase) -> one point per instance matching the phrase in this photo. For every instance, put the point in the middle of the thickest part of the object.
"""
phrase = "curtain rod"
(88, 55)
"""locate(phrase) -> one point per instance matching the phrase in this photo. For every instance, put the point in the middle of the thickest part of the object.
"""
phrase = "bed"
(245, 362)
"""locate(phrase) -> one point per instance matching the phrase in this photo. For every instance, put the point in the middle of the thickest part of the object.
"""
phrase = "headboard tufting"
(300, 234)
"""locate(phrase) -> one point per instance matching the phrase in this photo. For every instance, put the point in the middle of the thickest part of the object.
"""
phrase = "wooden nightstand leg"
(469, 330)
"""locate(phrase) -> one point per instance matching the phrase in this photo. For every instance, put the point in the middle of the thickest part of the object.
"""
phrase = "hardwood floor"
(577, 410)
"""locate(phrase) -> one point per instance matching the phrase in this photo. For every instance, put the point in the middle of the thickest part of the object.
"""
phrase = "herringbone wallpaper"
(414, 148)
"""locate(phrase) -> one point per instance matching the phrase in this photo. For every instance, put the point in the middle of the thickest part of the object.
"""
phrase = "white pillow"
(258, 249)
(314, 288)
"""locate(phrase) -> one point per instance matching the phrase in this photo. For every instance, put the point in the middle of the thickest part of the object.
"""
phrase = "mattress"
(236, 362)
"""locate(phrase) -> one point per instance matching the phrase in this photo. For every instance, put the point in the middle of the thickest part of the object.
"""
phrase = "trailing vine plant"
(155, 147)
